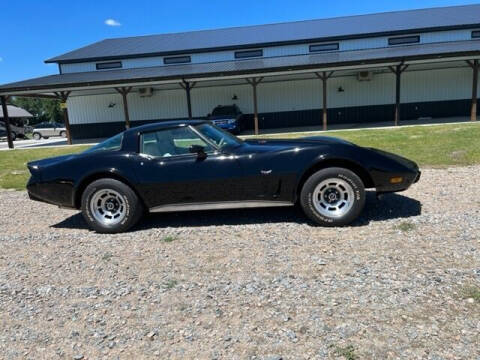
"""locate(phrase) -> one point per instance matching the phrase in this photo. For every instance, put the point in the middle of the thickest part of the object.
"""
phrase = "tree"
(41, 109)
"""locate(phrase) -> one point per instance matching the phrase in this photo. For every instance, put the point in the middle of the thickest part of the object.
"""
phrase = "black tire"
(132, 206)
(349, 181)
(63, 134)
(14, 135)
(37, 136)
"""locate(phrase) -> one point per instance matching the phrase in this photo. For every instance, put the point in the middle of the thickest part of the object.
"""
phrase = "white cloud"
(112, 22)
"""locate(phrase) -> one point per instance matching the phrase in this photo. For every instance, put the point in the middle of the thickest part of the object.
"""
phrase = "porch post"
(7, 121)
(324, 77)
(397, 70)
(254, 82)
(124, 92)
(63, 96)
(187, 86)
(473, 110)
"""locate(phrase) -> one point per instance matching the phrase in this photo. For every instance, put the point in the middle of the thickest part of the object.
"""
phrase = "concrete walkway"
(58, 141)
(357, 126)
(45, 143)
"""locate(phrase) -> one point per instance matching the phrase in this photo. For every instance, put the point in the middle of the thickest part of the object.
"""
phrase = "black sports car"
(194, 165)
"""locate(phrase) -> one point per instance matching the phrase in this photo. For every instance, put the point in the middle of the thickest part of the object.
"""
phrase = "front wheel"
(63, 134)
(110, 206)
(14, 135)
(37, 136)
(333, 196)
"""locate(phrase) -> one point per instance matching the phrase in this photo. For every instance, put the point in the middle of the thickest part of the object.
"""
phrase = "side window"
(171, 142)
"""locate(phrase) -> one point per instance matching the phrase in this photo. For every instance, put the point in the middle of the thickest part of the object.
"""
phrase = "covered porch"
(330, 89)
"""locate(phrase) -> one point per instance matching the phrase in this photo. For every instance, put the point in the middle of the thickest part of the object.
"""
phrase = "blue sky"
(35, 30)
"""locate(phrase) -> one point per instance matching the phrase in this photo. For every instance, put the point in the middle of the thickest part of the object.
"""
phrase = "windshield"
(111, 144)
(223, 110)
(217, 136)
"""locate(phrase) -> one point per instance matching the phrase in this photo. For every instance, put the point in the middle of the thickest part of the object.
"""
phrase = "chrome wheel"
(108, 207)
(333, 197)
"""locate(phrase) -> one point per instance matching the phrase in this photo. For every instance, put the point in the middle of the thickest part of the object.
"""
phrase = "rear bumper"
(58, 193)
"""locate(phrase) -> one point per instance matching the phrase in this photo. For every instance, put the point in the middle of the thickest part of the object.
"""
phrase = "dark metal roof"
(246, 67)
(281, 33)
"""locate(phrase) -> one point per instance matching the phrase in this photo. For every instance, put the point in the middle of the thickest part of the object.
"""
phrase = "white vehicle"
(47, 129)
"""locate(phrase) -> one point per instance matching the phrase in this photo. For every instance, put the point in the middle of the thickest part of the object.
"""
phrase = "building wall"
(441, 92)
(285, 50)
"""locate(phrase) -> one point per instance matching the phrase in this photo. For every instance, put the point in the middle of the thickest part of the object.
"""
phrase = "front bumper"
(409, 178)
(406, 169)
(232, 127)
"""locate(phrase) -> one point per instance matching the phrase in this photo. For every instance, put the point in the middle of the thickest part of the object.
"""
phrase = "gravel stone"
(248, 284)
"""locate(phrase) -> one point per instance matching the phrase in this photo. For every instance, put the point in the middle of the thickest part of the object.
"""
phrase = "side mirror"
(199, 150)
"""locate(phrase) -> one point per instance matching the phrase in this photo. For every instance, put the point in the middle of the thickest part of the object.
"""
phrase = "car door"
(48, 130)
(268, 171)
(55, 131)
(169, 174)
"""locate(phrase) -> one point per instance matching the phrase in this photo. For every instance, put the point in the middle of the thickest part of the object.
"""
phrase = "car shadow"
(392, 206)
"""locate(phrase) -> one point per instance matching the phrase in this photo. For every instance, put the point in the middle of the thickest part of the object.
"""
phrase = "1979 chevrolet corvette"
(193, 165)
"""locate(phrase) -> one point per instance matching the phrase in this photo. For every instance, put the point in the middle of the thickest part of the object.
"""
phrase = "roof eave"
(106, 83)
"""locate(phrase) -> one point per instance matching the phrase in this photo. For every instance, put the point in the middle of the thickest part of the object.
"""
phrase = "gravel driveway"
(251, 284)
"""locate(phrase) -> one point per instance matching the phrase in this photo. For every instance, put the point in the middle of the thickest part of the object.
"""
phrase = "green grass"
(429, 146)
(13, 170)
(406, 226)
(433, 146)
(347, 352)
(169, 238)
(471, 292)
(170, 284)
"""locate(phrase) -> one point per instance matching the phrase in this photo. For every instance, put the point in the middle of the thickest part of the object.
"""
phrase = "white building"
(117, 82)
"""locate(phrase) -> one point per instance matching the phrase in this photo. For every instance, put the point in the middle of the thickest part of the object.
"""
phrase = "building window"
(404, 40)
(109, 65)
(248, 54)
(475, 34)
(177, 60)
(324, 47)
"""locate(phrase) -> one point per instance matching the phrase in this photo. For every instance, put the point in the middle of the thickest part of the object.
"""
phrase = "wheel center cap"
(110, 206)
(331, 196)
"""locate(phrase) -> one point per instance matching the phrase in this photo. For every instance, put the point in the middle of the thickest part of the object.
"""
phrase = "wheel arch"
(358, 169)
(80, 188)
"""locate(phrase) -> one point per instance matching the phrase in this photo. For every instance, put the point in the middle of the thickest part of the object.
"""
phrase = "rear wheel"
(110, 206)
(37, 136)
(333, 197)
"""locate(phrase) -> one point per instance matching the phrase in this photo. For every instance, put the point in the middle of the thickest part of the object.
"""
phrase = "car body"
(18, 130)
(48, 129)
(193, 165)
(227, 117)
